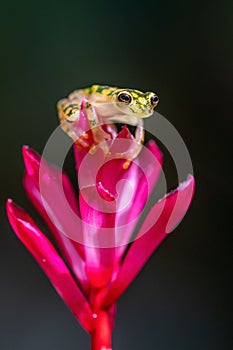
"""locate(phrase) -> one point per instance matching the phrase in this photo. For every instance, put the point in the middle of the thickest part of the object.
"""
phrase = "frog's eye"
(154, 100)
(124, 97)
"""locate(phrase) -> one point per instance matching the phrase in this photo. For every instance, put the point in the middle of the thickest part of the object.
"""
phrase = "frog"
(107, 105)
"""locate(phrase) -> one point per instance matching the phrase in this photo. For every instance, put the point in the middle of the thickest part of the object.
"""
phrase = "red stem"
(101, 336)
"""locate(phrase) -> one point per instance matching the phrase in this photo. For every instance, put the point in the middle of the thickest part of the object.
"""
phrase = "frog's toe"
(81, 143)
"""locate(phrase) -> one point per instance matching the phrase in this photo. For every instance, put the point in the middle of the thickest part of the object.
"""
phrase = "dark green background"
(181, 50)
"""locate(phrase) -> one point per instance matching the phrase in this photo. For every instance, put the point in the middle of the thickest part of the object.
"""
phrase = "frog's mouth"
(140, 111)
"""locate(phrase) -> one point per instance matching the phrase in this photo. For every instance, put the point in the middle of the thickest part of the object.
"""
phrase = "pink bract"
(91, 269)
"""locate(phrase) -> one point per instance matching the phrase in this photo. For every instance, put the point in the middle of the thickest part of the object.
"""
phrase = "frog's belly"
(123, 118)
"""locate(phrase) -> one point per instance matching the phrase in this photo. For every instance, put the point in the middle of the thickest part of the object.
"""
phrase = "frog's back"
(103, 90)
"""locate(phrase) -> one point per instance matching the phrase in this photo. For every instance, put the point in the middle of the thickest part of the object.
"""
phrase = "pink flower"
(92, 268)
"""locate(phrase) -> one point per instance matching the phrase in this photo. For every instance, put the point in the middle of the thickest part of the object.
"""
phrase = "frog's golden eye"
(124, 97)
(154, 100)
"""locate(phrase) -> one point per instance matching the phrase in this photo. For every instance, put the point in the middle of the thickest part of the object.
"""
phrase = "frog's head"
(135, 103)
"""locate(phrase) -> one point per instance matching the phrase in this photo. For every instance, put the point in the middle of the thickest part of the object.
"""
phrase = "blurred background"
(181, 50)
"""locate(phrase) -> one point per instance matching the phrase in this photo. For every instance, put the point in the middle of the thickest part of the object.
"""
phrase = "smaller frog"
(107, 104)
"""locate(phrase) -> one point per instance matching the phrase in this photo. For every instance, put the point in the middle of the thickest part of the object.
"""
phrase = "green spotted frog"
(106, 105)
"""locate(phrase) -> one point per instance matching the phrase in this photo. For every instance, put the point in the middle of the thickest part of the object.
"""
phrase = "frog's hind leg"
(68, 110)
(135, 147)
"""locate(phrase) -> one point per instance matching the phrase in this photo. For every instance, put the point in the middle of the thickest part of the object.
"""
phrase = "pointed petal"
(130, 187)
(163, 217)
(57, 197)
(83, 125)
(69, 248)
(33, 161)
(150, 165)
(79, 151)
(127, 188)
(51, 263)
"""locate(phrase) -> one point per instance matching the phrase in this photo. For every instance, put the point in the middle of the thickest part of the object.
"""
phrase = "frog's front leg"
(135, 147)
(99, 135)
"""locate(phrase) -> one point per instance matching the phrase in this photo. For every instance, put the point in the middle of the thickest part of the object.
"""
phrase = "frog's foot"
(103, 146)
(81, 142)
(130, 155)
(100, 137)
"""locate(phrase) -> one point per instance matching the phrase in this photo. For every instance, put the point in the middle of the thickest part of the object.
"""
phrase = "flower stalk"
(102, 334)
